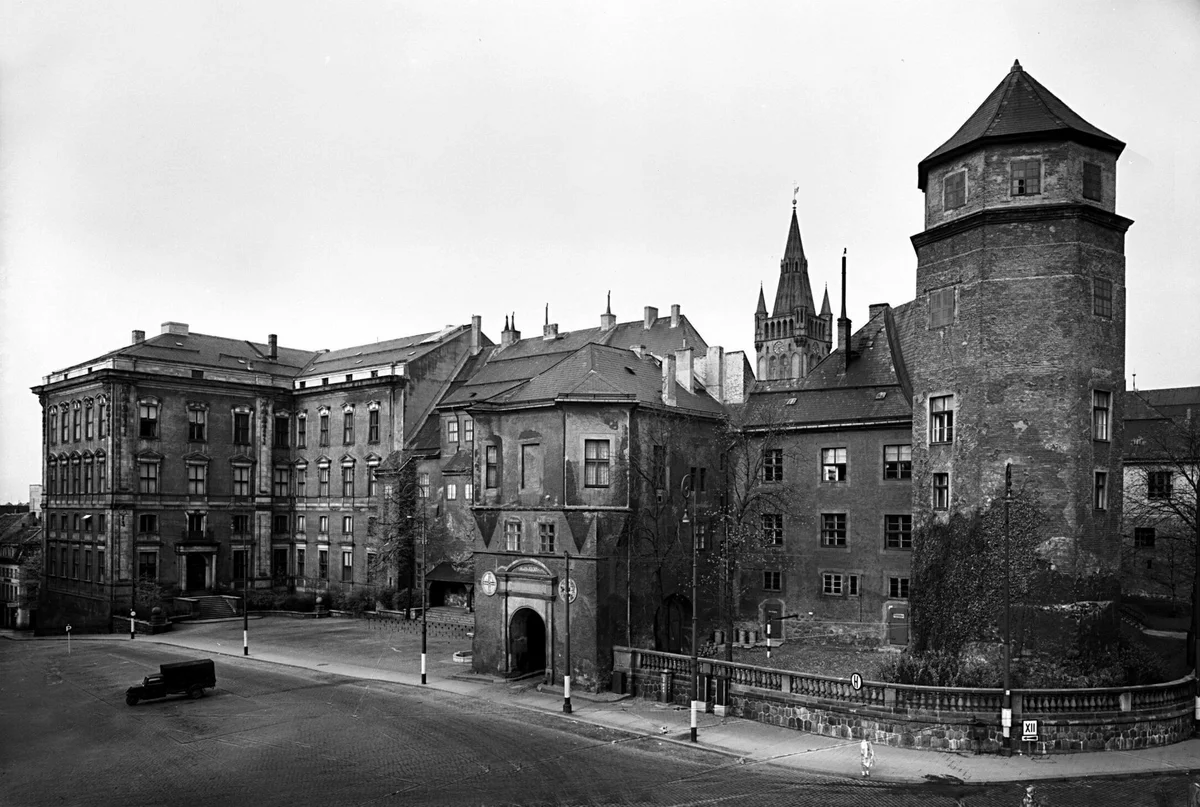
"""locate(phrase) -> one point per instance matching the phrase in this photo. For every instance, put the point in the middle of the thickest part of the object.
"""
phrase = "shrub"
(302, 603)
(263, 600)
(359, 601)
(939, 669)
(335, 598)
(386, 597)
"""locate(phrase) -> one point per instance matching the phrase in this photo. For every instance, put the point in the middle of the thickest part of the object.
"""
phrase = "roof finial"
(506, 322)
(1016, 68)
(795, 193)
(608, 307)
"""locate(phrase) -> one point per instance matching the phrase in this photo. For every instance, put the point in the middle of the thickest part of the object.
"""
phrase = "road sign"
(565, 585)
(1029, 731)
(856, 682)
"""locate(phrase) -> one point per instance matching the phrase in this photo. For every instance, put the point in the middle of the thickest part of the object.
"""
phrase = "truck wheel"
(195, 692)
(131, 700)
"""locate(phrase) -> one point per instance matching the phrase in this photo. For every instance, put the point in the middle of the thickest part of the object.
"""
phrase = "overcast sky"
(337, 173)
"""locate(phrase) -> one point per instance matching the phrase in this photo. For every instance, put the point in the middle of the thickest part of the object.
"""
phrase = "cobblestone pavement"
(274, 734)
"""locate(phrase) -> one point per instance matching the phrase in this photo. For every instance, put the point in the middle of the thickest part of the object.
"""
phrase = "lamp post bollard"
(1006, 706)
(68, 640)
(245, 595)
(685, 488)
(567, 597)
(132, 614)
(424, 595)
(768, 638)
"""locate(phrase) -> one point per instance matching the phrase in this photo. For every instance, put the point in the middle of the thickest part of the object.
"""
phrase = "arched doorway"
(527, 642)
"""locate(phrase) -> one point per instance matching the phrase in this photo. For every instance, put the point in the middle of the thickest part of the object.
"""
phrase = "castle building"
(1011, 354)
(195, 462)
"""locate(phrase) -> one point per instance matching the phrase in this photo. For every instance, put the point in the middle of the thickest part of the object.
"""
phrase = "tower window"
(941, 419)
(1101, 490)
(941, 307)
(1091, 182)
(1102, 297)
(1026, 177)
(1101, 402)
(954, 190)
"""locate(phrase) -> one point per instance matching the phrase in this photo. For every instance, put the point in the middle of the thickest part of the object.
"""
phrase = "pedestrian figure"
(867, 752)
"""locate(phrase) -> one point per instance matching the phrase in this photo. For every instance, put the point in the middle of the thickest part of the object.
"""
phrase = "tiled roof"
(201, 350)
(403, 349)
(1147, 418)
(1019, 109)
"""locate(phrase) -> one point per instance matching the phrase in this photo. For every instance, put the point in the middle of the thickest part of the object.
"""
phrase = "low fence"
(935, 718)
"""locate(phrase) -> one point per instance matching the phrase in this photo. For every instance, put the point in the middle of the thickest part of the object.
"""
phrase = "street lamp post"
(567, 597)
(685, 488)
(245, 594)
(1006, 708)
(424, 596)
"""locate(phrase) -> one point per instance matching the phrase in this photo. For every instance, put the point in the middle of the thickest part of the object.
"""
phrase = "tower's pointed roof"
(1019, 109)
(826, 311)
(762, 302)
(794, 289)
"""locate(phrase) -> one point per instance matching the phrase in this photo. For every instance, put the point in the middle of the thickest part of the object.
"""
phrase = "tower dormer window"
(1026, 177)
(1091, 182)
(954, 190)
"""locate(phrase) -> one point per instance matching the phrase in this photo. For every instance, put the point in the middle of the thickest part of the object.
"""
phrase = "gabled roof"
(1019, 109)
(870, 391)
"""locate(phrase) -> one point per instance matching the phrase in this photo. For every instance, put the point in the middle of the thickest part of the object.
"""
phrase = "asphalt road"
(279, 735)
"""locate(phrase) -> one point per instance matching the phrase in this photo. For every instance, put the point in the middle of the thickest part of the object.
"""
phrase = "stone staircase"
(214, 608)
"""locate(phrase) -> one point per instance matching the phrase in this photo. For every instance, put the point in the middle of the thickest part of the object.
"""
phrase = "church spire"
(826, 311)
(794, 291)
(762, 302)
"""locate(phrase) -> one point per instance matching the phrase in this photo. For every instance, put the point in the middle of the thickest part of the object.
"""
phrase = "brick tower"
(794, 337)
(1018, 327)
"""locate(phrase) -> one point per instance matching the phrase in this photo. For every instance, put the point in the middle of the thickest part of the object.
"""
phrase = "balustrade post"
(1127, 701)
(889, 697)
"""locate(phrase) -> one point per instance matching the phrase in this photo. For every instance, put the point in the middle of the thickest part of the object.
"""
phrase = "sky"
(338, 173)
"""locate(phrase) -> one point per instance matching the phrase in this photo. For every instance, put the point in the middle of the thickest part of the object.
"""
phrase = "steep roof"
(794, 290)
(1019, 109)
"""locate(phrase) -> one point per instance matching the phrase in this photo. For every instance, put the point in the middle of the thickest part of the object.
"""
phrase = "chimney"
(510, 334)
(875, 309)
(176, 328)
(608, 320)
(683, 367)
(675, 316)
(844, 321)
(272, 347)
(714, 373)
(651, 314)
(476, 334)
(138, 336)
(668, 380)
(549, 330)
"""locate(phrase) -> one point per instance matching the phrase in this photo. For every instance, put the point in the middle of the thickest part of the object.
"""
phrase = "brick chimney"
(649, 316)
(875, 309)
(675, 316)
(476, 334)
(272, 346)
(668, 380)
(550, 329)
(510, 334)
(608, 320)
(175, 328)
(683, 368)
(138, 336)
(843, 322)
(714, 373)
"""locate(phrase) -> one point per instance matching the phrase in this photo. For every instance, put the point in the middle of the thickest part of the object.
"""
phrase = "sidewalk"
(349, 648)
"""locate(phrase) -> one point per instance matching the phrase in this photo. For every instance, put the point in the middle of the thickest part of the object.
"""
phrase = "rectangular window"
(452, 431)
(898, 588)
(468, 430)
(87, 564)
(897, 531)
(772, 581)
(87, 477)
(941, 419)
(241, 428)
(348, 428)
(833, 465)
(66, 435)
(323, 563)
(423, 485)
(347, 481)
(347, 525)
(546, 538)
(88, 424)
(324, 431)
(347, 565)
(148, 566)
(101, 474)
(301, 431)
(53, 425)
(491, 473)
(147, 421)
(241, 480)
(102, 420)
(772, 529)
(300, 525)
(451, 491)
(279, 524)
(239, 524)
(773, 465)
(197, 479)
(63, 557)
(76, 422)
(301, 481)
(469, 492)
(1101, 487)
(323, 482)
(941, 307)
(1143, 537)
(372, 483)
(100, 567)
(941, 491)
(197, 425)
(595, 463)
(833, 529)
(512, 536)
(897, 462)
(658, 467)
(53, 557)
(1102, 296)
(1026, 177)
(323, 525)
(852, 588)
(1091, 182)
(531, 467)
(300, 567)
(372, 425)
(147, 477)
(1101, 402)
(147, 524)
(282, 429)
(954, 190)
(1158, 485)
(282, 482)
(832, 584)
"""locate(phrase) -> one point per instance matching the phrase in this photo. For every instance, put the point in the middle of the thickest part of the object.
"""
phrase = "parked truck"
(191, 677)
